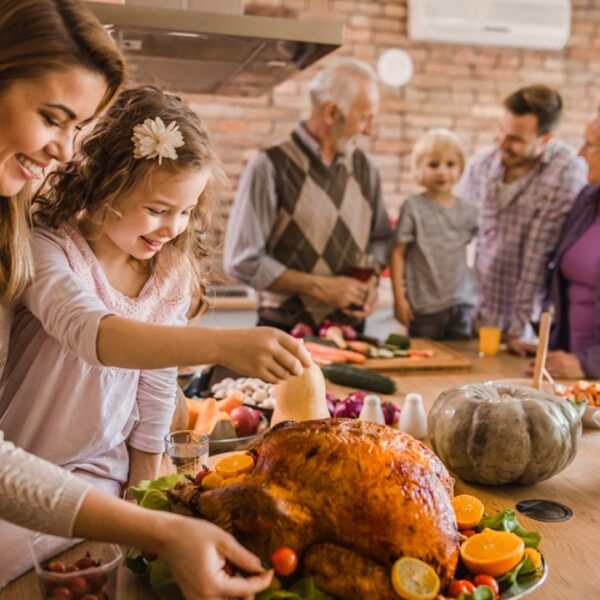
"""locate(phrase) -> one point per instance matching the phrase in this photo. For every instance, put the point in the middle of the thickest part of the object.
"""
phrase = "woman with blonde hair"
(58, 70)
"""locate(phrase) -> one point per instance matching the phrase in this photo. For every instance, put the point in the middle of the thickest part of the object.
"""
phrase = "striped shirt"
(518, 232)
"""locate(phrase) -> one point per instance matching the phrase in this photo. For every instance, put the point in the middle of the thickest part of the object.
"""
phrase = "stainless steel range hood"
(214, 53)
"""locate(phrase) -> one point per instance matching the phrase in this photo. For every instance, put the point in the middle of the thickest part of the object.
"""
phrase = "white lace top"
(37, 494)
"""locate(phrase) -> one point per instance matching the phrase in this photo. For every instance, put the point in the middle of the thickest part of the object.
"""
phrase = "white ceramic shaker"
(413, 419)
(371, 410)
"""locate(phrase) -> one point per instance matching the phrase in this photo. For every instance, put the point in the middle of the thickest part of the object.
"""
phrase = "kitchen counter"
(570, 548)
(249, 301)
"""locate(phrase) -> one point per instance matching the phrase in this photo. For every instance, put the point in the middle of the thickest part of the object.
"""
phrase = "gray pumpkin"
(495, 433)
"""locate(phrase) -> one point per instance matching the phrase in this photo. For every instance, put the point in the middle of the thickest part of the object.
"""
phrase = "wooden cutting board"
(443, 358)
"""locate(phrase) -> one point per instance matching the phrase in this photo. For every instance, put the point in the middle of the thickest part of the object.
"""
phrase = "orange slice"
(232, 480)
(212, 481)
(414, 579)
(492, 552)
(535, 557)
(468, 510)
(232, 466)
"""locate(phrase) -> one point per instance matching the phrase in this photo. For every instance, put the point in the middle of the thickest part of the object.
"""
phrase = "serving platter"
(587, 412)
(528, 584)
(443, 358)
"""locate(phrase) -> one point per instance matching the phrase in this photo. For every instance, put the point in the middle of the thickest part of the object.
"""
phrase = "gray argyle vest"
(324, 222)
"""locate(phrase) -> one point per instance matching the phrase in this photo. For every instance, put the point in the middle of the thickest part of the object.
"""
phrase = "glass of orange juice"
(489, 340)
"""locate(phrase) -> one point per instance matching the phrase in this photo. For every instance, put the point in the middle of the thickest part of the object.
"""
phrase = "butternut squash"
(193, 410)
(207, 410)
(232, 401)
(301, 398)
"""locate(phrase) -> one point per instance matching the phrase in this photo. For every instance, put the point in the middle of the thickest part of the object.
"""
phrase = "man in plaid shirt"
(524, 188)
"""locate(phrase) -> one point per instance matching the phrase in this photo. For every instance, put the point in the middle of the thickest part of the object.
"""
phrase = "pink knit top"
(56, 399)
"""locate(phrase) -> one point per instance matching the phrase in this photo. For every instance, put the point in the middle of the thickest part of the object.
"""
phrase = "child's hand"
(403, 311)
(263, 352)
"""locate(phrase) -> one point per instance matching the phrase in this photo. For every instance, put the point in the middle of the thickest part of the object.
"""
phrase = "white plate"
(591, 417)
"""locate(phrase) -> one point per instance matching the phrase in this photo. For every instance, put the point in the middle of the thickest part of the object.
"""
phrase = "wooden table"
(571, 548)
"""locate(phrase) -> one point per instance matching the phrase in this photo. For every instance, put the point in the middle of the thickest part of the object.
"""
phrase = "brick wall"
(453, 86)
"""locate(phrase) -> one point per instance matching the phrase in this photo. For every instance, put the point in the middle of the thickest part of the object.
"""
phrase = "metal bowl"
(238, 443)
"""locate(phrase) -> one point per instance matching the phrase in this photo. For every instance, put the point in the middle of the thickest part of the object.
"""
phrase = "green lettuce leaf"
(519, 578)
(482, 592)
(507, 521)
(153, 494)
(163, 582)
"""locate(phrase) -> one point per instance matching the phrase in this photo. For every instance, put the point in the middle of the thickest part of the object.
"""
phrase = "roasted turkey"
(349, 496)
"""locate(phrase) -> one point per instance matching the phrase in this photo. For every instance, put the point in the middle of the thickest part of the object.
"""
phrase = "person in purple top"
(575, 277)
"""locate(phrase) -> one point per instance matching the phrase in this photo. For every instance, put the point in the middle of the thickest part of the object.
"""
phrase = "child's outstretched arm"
(261, 352)
(74, 315)
(402, 308)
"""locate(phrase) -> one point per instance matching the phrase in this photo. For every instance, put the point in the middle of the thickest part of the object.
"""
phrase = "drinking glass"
(489, 340)
(188, 450)
(363, 267)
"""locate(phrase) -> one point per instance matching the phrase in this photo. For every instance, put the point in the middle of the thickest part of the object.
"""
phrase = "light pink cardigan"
(56, 399)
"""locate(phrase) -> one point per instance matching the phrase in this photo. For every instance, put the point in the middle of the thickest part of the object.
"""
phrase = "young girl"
(119, 238)
(434, 293)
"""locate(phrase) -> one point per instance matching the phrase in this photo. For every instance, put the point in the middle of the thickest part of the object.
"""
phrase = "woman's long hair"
(90, 186)
(38, 37)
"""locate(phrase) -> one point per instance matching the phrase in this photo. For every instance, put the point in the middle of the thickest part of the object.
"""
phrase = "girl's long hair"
(37, 38)
(90, 186)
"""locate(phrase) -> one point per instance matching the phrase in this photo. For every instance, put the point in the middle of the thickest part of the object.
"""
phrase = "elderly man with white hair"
(311, 208)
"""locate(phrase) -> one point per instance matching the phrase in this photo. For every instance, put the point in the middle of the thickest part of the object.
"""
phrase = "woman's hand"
(562, 365)
(197, 552)
(263, 352)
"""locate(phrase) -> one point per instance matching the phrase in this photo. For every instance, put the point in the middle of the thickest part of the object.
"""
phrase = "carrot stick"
(327, 352)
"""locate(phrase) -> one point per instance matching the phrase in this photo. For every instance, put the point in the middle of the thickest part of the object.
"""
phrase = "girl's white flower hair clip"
(152, 139)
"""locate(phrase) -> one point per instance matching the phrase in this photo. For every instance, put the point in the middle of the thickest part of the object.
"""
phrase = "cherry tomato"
(460, 586)
(62, 593)
(284, 561)
(57, 567)
(200, 475)
(489, 581)
(468, 532)
(96, 581)
(79, 586)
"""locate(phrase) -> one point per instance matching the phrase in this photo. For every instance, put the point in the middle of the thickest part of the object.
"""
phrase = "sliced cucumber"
(359, 378)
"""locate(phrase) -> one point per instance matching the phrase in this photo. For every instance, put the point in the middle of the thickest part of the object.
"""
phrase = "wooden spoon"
(542, 350)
